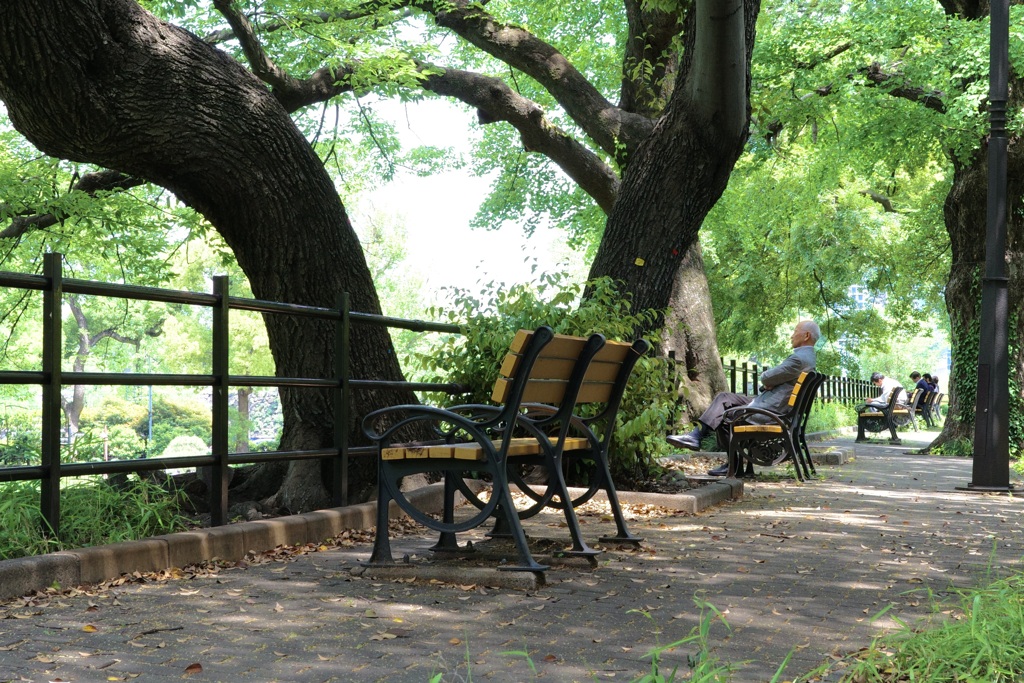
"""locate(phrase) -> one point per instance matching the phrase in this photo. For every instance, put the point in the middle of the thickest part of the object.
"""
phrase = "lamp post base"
(971, 488)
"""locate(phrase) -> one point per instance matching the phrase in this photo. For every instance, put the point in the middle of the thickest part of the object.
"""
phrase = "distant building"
(862, 297)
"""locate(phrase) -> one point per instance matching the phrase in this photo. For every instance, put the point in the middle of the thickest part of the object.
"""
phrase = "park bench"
(762, 437)
(935, 406)
(882, 418)
(920, 406)
(542, 379)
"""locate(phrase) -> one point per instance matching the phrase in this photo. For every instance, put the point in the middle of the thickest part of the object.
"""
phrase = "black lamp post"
(991, 422)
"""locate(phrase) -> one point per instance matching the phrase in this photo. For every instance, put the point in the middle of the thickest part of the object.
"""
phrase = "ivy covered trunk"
(965, 215)
(106, 83)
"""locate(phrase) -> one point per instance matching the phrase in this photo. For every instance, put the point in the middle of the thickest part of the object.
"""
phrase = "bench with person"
(533, 423)
(884, 411)
(774, 396)
(762, 437)
(916, 407)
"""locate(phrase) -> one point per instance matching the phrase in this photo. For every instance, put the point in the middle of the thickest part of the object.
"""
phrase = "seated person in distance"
(776, 386)
(887, 384)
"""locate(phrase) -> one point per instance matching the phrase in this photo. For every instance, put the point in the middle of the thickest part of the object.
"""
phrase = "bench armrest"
(419, 413)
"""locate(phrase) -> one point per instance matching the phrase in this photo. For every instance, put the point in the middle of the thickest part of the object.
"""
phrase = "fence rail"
(52, 379)
(744, 378)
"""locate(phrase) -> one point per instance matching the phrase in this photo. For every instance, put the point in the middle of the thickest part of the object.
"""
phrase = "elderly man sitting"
(776, 386)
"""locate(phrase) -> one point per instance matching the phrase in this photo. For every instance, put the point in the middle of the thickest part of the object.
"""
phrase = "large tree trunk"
(965, 215)
(674, 179)
(690, 335)
(104, 82)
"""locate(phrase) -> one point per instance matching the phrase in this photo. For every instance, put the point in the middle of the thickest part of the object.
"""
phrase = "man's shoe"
(687, 441)
(719, 471)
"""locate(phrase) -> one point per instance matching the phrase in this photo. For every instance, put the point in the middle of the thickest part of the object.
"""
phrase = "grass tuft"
(977, 640)
(93, 512)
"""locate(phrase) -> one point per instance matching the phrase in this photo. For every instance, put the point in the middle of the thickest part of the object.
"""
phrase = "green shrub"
(170, 419)
(956, 447)
(828, 416)
(21, 438)
(93, 512)
(173, 418)
(491, 320)
(185, 445)
(119, 442)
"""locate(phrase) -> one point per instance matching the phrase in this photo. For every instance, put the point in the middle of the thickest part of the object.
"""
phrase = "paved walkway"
(792, 567)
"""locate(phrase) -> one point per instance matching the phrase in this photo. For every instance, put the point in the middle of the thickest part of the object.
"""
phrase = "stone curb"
(231, 542)
(24, 575)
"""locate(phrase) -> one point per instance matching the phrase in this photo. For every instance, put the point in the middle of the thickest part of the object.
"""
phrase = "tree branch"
(826, 57)
(291, 92)
(496, 101)
(90, 183)
(616, 131)
(880, 199)
(932, 99)
(648, 66)
(365, 10)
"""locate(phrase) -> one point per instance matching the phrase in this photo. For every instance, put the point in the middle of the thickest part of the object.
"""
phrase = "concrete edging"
(24, 575)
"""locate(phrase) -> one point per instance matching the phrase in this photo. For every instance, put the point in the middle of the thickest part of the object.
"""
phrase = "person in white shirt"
(887, 384)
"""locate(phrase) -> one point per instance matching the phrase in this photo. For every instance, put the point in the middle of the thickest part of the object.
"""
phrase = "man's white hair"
(811, 328)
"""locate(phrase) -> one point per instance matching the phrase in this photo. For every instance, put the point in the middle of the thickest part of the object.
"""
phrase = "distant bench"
(543, 378)
(884, 417)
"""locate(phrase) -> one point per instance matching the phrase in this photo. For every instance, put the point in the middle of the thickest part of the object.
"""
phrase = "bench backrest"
(802, 390)
(916, 399)
(552, 373)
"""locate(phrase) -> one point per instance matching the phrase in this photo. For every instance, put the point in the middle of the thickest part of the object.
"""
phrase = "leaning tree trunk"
(965, 216)
(690, 336)
(104, 82)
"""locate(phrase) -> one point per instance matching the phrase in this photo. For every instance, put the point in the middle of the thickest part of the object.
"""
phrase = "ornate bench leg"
(508, 510)
(622, 533)
(860, 429)
(447, 542)
(381, 555)
(579, 546)
(895, 440)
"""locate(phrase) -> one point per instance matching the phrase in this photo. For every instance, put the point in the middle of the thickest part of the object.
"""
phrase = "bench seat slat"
(474, 451)
(765, 429)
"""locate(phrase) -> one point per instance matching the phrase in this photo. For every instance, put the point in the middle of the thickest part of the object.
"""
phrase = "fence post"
(219, 476)
(732, 375)
(339, 465)
(746, 378)
(53, 344)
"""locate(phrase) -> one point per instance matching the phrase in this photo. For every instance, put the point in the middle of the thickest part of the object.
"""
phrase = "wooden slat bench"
(583, 441)
(883, 418)
(766, 438)
(542, 378)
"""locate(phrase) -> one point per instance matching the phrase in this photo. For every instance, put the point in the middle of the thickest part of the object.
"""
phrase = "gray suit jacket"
(782, 377)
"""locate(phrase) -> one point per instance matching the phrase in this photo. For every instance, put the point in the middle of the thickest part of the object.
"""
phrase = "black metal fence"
(52, 379)
(744, 378)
